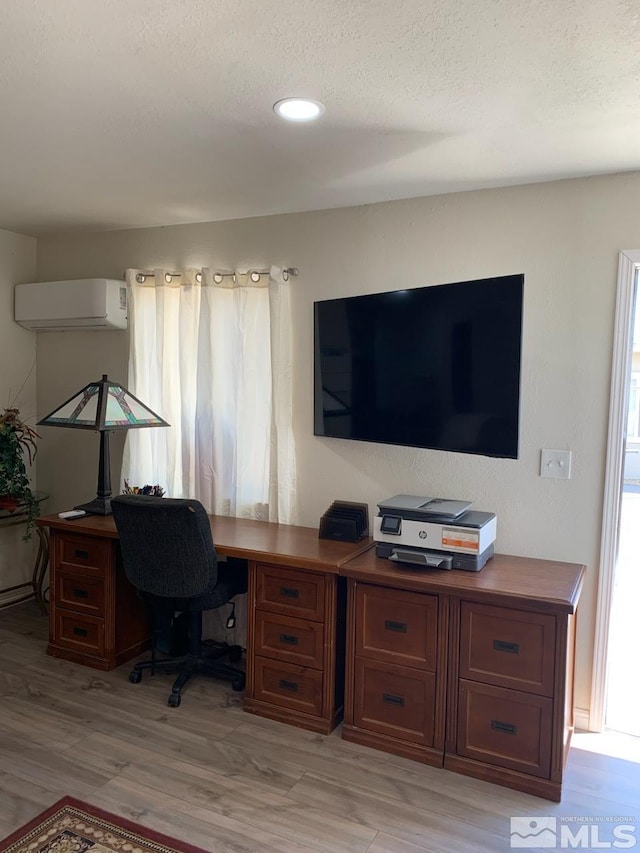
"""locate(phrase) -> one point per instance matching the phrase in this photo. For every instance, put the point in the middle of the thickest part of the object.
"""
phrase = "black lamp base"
(98, 506)
(101, 504)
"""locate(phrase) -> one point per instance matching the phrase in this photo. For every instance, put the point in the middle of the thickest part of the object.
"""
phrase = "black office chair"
(169, 556)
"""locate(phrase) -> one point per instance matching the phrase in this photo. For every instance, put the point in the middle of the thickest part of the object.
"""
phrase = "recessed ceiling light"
(298, 109)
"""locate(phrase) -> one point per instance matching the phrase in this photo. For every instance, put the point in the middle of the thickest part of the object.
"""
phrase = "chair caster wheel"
(174, 700)
(135, 676)
(238, 684)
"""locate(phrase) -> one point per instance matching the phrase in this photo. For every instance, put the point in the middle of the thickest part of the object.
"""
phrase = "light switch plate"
(555, 463)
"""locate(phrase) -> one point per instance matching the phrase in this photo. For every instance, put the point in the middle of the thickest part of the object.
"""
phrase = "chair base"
(208, 662)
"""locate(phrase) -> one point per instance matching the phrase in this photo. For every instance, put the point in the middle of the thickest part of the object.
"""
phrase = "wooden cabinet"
(511, 688)
(88, 588)
(296, 610)
(396, 626)
(286, 638)
(295, 648)
(509, 724)
(507, 647)
(472, 671)
(395, 703)
(504, 728)
(394, 697)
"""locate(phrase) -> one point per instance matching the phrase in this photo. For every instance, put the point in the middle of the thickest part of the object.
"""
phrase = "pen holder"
(154, 491)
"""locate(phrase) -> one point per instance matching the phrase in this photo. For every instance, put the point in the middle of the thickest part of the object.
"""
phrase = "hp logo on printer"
(422, 534)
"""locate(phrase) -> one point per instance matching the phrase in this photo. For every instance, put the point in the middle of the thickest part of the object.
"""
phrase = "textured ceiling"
(133, 113)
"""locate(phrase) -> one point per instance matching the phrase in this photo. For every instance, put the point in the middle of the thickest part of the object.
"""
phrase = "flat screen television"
(435, 367)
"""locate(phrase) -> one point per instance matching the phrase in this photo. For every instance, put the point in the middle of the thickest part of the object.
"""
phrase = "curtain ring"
(199, 277)
(168, 277)
(141, 278)
(217, 277)
(255, 276)
(285, 275)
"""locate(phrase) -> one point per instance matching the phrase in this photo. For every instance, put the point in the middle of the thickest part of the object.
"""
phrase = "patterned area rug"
(71, 826)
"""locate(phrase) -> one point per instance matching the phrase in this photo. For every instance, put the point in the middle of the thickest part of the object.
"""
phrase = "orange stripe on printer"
(458, 539)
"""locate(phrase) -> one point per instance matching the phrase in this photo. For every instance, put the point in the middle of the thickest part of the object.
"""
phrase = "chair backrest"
(167, 546)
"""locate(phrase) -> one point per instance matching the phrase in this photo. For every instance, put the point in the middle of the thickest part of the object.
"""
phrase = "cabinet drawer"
(507, 647)
(395, 701)
(73, 551)
(293, 593)
(288, 685)
(505, 728)
(80, 632)
(285, 638)
(397, 626)
(79, 593)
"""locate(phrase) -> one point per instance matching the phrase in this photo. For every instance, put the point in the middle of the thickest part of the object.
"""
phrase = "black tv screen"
(435, 367)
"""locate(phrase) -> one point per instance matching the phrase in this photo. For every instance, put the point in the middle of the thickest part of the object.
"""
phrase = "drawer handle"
(400, 627)
(391, 699)
(81, 593)
(80, 632)
(290, 639)
(507, 728)
(289, 592)
(84, 555)
(502, 646)
(283, 684)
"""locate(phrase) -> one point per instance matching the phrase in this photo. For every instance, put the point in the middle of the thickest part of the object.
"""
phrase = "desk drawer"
(506, 728)
(80, 632)
(397, 626)
(285, 638)
(507, 647)
(294, 593)
(79, 593)
(75, 552)
(395, 701)
(294, 687)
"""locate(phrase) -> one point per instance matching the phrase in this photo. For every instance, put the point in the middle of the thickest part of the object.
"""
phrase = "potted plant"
(17, 440)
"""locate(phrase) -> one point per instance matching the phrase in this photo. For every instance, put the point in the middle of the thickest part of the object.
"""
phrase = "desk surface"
(550, 584)
(293, 546)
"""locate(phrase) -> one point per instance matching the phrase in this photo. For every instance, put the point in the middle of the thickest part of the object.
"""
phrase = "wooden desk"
(472, 671)
(296, 610)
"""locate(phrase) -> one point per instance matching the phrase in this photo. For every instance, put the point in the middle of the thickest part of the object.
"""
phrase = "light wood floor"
(227, 781)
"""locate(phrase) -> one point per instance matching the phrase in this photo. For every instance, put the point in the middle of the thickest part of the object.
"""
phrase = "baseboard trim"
(582, 719)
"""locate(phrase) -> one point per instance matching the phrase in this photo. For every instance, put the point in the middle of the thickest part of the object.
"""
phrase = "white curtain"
(213, 358)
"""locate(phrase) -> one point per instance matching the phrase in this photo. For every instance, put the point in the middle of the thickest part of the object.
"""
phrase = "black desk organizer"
(345, 521)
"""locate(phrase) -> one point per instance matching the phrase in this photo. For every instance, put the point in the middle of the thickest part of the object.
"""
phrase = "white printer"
(434, 532)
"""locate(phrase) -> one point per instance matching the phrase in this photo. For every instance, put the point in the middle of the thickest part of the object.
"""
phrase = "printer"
(434, 532)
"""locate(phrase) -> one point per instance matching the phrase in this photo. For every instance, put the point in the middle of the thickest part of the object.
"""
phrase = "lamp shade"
(102, 406)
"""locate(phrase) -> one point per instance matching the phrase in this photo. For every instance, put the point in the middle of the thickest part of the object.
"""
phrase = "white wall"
(565, 236)
(17, 358)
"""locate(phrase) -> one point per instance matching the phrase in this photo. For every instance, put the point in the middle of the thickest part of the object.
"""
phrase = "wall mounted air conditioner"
(57, 306)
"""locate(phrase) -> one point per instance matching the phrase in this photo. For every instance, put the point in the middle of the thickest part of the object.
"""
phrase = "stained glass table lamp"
(103, 406)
